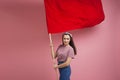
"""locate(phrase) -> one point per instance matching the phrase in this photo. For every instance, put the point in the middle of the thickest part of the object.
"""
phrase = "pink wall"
(117, 38)
(24, 44)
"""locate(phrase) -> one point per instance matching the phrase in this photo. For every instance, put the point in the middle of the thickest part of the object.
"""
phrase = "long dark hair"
(71, 42)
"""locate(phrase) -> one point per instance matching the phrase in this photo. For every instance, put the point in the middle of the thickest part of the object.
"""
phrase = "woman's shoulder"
(70, 47)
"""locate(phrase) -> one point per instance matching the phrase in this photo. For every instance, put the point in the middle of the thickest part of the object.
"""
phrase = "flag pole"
(53, 54)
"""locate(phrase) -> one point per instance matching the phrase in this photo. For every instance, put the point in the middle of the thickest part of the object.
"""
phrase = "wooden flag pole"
(53, 54)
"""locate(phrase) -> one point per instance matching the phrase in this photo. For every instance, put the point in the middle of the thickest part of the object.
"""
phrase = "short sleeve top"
(63, 52)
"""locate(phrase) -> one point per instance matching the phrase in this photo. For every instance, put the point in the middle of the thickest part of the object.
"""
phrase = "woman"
(64, 54)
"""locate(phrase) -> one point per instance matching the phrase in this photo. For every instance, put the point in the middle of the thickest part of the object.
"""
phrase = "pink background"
(25, 51)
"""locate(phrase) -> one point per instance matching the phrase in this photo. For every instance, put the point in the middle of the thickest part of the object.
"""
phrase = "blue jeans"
(64, 72)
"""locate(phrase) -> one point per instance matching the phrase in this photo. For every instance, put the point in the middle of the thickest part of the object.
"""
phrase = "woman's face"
(66, 40)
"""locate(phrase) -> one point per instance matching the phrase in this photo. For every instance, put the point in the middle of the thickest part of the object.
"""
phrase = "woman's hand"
(55, 66)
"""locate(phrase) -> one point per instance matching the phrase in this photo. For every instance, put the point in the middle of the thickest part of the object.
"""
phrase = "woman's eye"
(67, 38)
(64, 38)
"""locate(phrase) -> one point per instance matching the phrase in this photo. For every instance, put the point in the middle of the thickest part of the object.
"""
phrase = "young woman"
(64, 54)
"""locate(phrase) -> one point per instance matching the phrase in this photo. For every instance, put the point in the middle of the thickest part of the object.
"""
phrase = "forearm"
(52, 48)
(53, 54)
(66, 63)
(63, 65)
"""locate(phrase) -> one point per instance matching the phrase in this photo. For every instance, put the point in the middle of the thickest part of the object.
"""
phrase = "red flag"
(64, 15)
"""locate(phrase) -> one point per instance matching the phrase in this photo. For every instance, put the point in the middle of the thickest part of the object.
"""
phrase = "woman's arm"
(53, 54)
(51, 46)
(66, 63)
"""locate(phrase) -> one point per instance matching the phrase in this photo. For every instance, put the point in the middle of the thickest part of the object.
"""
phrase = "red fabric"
(64, 15)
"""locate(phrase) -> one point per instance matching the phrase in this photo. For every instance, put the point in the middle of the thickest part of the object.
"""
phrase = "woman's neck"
(66, 45)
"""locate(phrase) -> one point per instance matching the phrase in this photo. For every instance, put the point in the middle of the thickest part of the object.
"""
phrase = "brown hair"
(71, 42)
